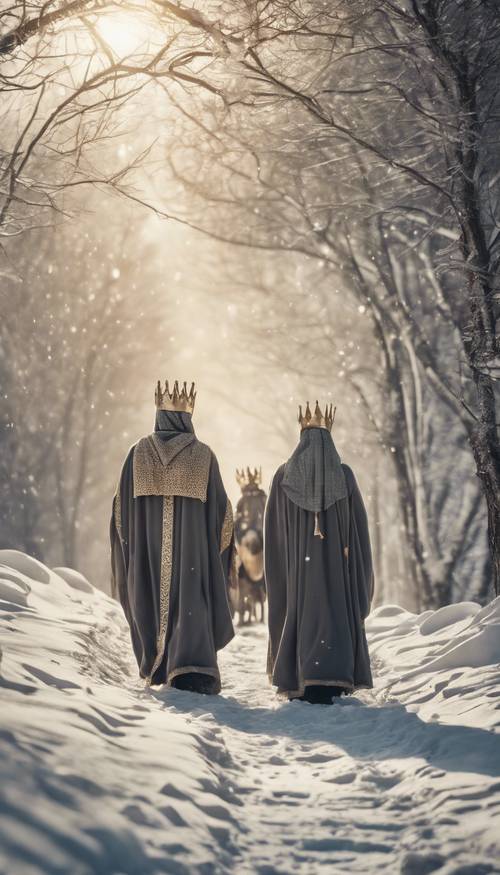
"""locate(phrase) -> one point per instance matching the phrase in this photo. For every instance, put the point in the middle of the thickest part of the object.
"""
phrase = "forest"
(279, 199)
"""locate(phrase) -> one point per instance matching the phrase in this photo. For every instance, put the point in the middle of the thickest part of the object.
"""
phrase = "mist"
(173, 210)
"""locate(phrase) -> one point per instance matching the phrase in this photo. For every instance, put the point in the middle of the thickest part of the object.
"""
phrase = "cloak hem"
(191, 669)
(294, 694)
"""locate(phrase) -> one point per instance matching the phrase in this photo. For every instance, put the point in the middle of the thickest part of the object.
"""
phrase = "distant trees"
(77, 309)
(69, 88)
(360, 134)
(410, 133)
(369, 146)
(70, 337)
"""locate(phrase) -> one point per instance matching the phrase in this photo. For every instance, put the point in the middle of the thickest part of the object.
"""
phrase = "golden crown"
(177, 399)
(248, 477)
(317, 419)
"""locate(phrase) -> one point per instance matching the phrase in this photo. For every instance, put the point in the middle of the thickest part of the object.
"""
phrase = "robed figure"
(250, 589)
(318, 570)
(171, 547)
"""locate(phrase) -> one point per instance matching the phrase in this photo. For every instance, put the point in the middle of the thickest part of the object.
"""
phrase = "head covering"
(169, 424)
(173, 434)
(313, 477)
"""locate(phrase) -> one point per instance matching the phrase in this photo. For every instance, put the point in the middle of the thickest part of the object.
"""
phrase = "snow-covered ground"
(99, 775)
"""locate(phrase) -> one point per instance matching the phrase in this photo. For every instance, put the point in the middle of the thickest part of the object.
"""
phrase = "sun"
(125, 34)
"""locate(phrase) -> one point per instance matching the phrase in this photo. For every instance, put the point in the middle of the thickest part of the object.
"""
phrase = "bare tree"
(78, 309)
(392, 106)
(437, 159)
(383, 140)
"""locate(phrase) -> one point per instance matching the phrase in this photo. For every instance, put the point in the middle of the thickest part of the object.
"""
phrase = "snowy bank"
(443, 664)
(96, 775)
(99, 775)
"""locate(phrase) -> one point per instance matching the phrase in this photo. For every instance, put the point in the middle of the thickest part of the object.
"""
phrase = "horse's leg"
(241, 609)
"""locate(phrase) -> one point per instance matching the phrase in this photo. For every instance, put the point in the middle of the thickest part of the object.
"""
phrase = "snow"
(443, 664)
(99, 775)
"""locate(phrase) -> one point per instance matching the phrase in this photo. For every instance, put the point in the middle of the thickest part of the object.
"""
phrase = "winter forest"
(281, 200)
(276, 199)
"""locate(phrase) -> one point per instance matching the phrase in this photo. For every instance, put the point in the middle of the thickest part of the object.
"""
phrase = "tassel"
(317, 531)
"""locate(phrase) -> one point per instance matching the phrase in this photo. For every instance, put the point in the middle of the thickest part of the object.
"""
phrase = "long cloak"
(319, 591)
(171, 551)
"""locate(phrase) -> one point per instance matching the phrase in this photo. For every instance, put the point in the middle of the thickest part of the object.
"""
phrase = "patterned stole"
(180, 466)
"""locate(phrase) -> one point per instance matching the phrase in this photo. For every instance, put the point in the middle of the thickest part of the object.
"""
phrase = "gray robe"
(171, 549)
(319, 591)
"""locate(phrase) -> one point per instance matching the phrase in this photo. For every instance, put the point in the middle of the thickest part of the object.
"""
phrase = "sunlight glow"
(125, 34)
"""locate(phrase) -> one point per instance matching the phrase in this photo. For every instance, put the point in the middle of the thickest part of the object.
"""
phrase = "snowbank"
(99, 775)
(443, 664)
(96, 775)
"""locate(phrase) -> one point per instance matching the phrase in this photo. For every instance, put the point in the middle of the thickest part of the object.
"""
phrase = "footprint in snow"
(345, 778)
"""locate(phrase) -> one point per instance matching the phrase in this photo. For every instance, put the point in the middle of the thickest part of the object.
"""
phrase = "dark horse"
(249, 536)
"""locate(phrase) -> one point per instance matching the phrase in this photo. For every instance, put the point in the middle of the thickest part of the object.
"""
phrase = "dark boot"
(321, 695)
(196, 682)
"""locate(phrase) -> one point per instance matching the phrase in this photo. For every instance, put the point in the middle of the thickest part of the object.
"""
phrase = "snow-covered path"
(360, 786)
(99, 775)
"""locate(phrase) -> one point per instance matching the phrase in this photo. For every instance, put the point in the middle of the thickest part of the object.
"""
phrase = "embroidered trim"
(165, 581)
(117, 511)
(227, 528)
(185, 473)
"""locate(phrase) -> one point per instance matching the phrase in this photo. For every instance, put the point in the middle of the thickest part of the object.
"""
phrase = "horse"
(249, 537)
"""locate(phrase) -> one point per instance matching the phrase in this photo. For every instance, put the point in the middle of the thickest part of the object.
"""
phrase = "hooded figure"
(171, 550)
(318, 570)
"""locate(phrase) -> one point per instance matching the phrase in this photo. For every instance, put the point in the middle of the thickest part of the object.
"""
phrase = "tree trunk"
(377, 545)
(485, 447)
(470, 186)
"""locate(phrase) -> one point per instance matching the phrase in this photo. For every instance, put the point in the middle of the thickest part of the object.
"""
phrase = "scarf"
(313, 477)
